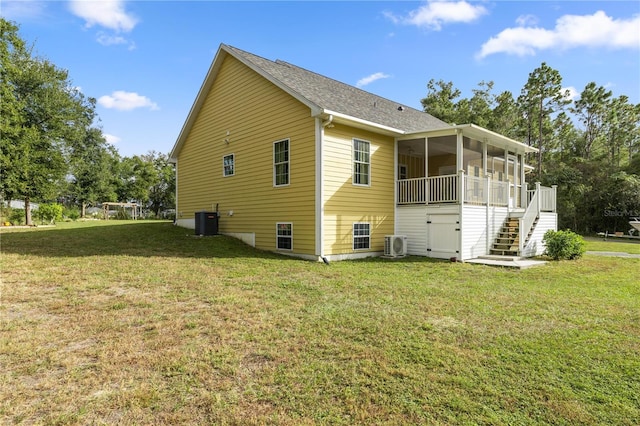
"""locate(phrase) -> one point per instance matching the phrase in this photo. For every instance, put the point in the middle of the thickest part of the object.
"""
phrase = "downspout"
(175, 218)
(395, 185)
(460, 195)
(320, 187)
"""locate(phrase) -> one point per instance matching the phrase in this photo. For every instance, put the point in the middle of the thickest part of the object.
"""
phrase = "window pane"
(361, 243)
(282, 174)
(228, 165)
(361, 162)
(284, 229)
(361, 236)
(281, 162)
(284, 243)
(284, 238)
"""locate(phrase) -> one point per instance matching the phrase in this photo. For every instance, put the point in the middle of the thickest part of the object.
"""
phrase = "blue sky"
(145, 60)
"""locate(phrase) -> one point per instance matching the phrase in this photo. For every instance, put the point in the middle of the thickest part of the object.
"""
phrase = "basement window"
(284, 236)
(361, 236)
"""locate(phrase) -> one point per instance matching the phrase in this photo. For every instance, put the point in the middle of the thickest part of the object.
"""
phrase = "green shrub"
(72, 213)
(122, 214)
(563, 244)
(16, 216)
(49, 213)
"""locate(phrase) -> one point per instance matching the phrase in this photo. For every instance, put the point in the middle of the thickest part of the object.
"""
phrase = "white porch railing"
(475, 190)
(530, 215)
(435, 189)
(542, 199)
(547, 197)
(499, 193)
(412, 191)
(442, 189)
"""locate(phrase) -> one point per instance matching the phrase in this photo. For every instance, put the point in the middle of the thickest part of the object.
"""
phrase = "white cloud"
(110, 14)
(370, 79)
(527, 20)
(126, 101)
(23, 9)
(435, 13)
(571, 93)
(110, 40)
(571, 31)
(111, 139)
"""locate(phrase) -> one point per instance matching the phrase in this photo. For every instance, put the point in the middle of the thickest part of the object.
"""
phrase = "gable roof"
(334, 96)
(323, 95)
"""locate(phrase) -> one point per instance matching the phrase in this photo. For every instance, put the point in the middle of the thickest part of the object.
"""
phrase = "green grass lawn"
(613, 244)
(143, 323)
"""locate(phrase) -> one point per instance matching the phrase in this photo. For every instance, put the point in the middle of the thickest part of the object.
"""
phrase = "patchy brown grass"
(145, 324)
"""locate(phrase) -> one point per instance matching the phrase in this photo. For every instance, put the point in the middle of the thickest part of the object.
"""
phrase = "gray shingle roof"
(342, 98)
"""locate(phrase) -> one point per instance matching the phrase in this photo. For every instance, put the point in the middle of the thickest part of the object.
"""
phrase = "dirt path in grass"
(613, 254)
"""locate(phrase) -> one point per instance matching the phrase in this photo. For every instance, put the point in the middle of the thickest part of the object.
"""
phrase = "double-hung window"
(228, 165)
(281, 163)
(284, 236)
(361, 235)
(361, 162)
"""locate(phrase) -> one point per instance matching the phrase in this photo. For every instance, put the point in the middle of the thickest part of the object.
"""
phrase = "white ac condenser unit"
(395, 245)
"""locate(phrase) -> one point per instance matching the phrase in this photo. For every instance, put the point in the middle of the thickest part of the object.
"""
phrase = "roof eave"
(481, 133)
(362, 124)
(490, 134)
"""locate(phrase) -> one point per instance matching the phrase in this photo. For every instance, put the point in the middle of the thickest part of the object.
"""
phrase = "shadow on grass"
(144, 239)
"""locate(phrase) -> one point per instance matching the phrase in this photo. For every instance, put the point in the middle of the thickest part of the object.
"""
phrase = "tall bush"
(563, 245)
(49, 213)
(16, 216)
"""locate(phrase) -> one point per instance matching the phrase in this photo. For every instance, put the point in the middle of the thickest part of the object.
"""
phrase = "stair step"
(507, 241)
(504, 252)
(507, 258)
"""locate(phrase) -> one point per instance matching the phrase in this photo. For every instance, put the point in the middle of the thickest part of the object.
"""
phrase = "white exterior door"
(443, 236)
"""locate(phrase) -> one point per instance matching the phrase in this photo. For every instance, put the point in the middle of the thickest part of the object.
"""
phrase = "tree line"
(52, 150)
(589, 147)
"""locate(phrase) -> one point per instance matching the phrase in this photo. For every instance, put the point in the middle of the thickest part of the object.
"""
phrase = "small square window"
(228, 165)
(284, 236)
(361, 236)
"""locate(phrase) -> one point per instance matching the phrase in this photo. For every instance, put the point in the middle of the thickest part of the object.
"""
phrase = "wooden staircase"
(508, 240)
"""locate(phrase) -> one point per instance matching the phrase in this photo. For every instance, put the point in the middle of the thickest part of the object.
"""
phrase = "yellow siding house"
(302, 164)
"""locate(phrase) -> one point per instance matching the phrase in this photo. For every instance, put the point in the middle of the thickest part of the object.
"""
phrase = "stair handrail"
(529, 217)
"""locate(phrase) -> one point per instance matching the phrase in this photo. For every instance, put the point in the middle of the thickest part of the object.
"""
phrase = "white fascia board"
(365, 124)
(479, 133)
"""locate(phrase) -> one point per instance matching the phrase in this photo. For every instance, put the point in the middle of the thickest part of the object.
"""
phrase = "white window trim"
(284, 236)
(353, 245)
(353, 162)
(233, 155)
(273, 159)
